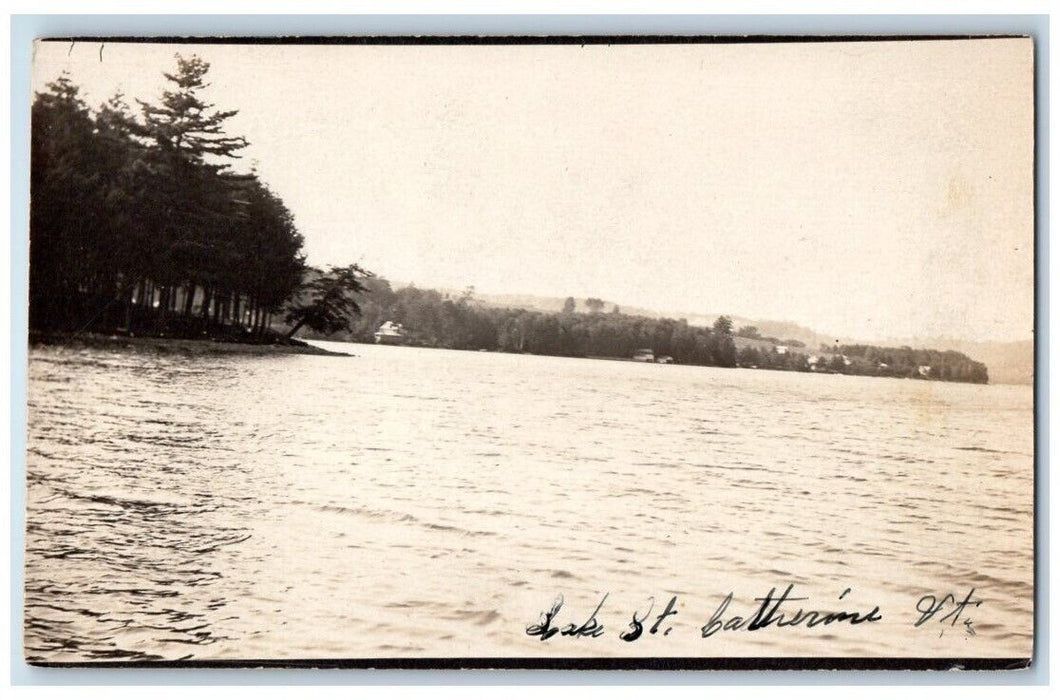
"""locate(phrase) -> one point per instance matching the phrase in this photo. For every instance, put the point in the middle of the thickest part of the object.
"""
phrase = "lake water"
(412, 502)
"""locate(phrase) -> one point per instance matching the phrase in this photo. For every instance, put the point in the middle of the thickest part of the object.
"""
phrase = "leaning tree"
(328, 302)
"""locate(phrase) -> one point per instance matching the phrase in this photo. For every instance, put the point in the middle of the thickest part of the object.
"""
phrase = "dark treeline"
(947, 365)
(436, 320)
(138, 222)
(432, 319)
(871, 360)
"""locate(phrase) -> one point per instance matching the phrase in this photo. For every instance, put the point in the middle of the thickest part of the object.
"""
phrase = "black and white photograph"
(629, 352)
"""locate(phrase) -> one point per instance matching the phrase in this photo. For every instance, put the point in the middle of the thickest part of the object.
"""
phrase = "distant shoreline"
(175, 346)
(823, 372)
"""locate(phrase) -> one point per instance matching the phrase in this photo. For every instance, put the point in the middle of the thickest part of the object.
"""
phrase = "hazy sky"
(871, 190)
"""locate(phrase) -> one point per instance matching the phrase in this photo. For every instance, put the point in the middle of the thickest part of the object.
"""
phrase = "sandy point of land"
(176, 346)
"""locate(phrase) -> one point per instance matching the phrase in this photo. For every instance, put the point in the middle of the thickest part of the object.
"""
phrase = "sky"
(870, 189)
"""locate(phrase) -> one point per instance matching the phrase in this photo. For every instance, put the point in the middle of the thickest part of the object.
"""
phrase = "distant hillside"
(1007, 363)
(779, 329)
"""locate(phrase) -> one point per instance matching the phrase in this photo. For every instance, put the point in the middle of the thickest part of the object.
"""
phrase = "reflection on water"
(413, 502)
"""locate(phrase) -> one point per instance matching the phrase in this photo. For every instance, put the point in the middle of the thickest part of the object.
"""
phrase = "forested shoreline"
(433, 319)
(140, 225)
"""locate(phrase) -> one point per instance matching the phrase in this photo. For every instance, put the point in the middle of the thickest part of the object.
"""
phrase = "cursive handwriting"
(769, 613)
(929, 606)
(636, 627)
(777, 610)
(546, 629)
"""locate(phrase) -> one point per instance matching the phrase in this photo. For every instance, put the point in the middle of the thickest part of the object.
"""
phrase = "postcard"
(579, 352)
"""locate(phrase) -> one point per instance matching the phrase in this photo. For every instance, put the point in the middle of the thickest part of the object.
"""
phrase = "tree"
(723, 326)
(568, 305)
(331, 304)
(128, 246)
(594, 305)
(748, 357)
(69, 253)
(126, 215)
(749, 332)
(614, 309)
(725, 352)
(194, 200)
(270, 266)
(184, 124)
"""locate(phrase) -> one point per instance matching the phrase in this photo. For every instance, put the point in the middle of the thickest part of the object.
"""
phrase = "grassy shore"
(175, 346)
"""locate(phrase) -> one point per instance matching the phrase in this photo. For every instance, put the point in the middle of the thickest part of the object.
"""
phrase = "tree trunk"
(296, 328)
(259, 314)
(189, 299)
(204, 310)
(130, 293)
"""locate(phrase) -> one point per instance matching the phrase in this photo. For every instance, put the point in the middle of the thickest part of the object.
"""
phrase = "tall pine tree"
(196, 200)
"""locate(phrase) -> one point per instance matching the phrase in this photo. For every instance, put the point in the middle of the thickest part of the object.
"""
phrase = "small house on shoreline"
(391, 333)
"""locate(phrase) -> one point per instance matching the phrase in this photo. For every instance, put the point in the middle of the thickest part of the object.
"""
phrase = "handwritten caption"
(773, 610)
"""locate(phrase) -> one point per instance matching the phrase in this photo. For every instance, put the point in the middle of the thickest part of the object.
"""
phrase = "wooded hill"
(434, 319)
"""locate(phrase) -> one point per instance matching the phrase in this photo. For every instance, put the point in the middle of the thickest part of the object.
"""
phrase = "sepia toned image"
(598, 353)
